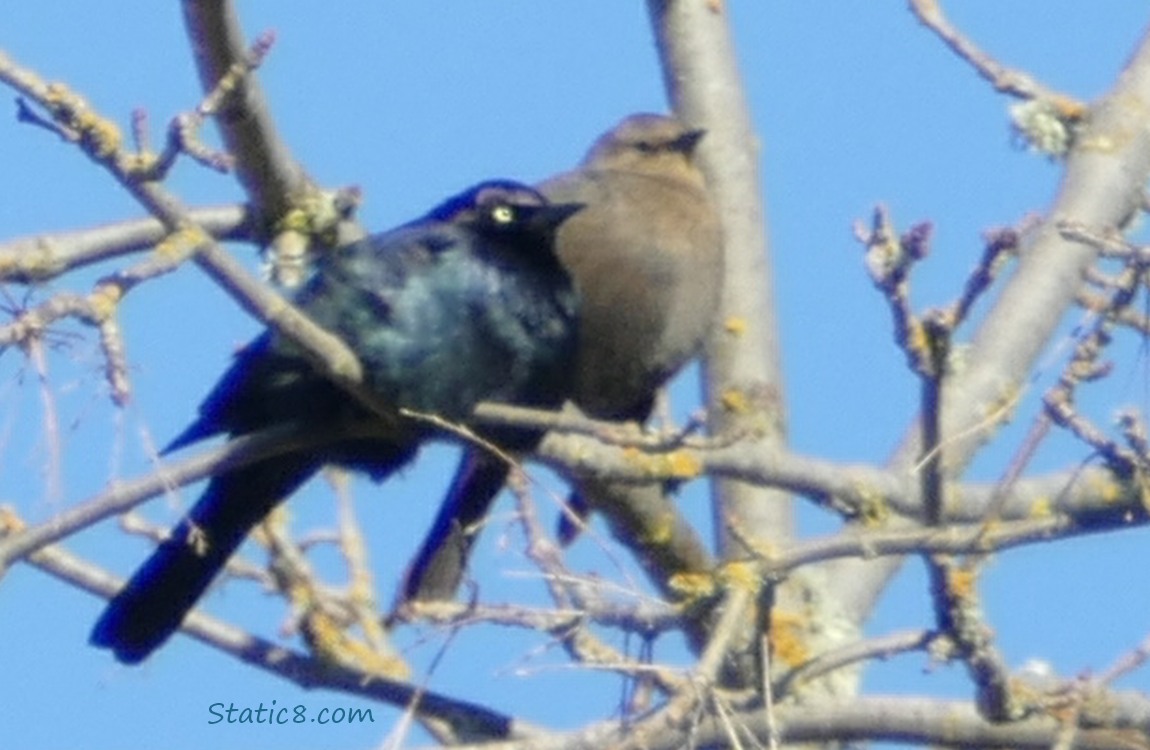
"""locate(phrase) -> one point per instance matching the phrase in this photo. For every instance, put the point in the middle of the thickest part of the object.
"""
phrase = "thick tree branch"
(272, 178)
(856, 491)
(918, 721)
(743, 367)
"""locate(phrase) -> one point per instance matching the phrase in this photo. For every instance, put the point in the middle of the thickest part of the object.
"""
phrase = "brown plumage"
(646, 254)
(647, 258)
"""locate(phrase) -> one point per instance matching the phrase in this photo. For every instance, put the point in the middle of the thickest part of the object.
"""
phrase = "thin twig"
(1004, 79)
(42, 257)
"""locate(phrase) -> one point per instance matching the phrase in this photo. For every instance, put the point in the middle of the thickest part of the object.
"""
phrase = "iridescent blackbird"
(467, 304)
(647, 257)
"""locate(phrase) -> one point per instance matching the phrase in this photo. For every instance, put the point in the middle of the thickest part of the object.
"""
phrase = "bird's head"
(651, 143)
(505, 208)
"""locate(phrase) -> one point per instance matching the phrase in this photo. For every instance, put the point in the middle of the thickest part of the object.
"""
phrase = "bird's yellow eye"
(503, 214)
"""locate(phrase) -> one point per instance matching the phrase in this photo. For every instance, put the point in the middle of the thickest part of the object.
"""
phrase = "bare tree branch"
(721, 603)
(743, 366)
(917, 721)
(25, 260)
(875, 648)
(272, 178)
(1004, 79)
(470, 721)
(1102, 186)
(100, 139)
(124, 495)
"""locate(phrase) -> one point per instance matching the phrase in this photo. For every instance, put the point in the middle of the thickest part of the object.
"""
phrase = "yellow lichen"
(693, 585)
(103, 136)
(104, 300)
(140, 163)
(659, 533)
(962, 582)
(682, 464)
(1041, 508)
(181, 242)
(41, 261)
(10, 522)
(743, 575)
(735, 401)
(57, 94)
(916, 340)
(873, 509)
(332, 644)
(735, 325)
(1111, 492)
(295, 220)
(788, 644)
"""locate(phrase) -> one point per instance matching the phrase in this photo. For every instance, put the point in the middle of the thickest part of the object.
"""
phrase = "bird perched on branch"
(467, 304)
(647, 257)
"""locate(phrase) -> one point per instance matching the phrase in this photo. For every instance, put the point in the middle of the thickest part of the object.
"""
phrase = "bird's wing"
(264, 386)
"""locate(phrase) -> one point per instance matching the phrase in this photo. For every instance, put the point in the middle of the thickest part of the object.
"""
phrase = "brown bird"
(646, 254)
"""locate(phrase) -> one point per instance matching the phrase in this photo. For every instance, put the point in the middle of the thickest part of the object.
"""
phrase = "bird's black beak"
(689, 140)
(552, 215)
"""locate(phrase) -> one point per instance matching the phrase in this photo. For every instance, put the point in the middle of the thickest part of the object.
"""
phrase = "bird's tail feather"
(153, 603)
(438, 568)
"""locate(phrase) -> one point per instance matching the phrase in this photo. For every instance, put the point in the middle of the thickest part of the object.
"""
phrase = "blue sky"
(854, 103)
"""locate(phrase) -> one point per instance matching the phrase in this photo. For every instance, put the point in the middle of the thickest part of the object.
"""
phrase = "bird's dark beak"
(689, 140)
(554, 214)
